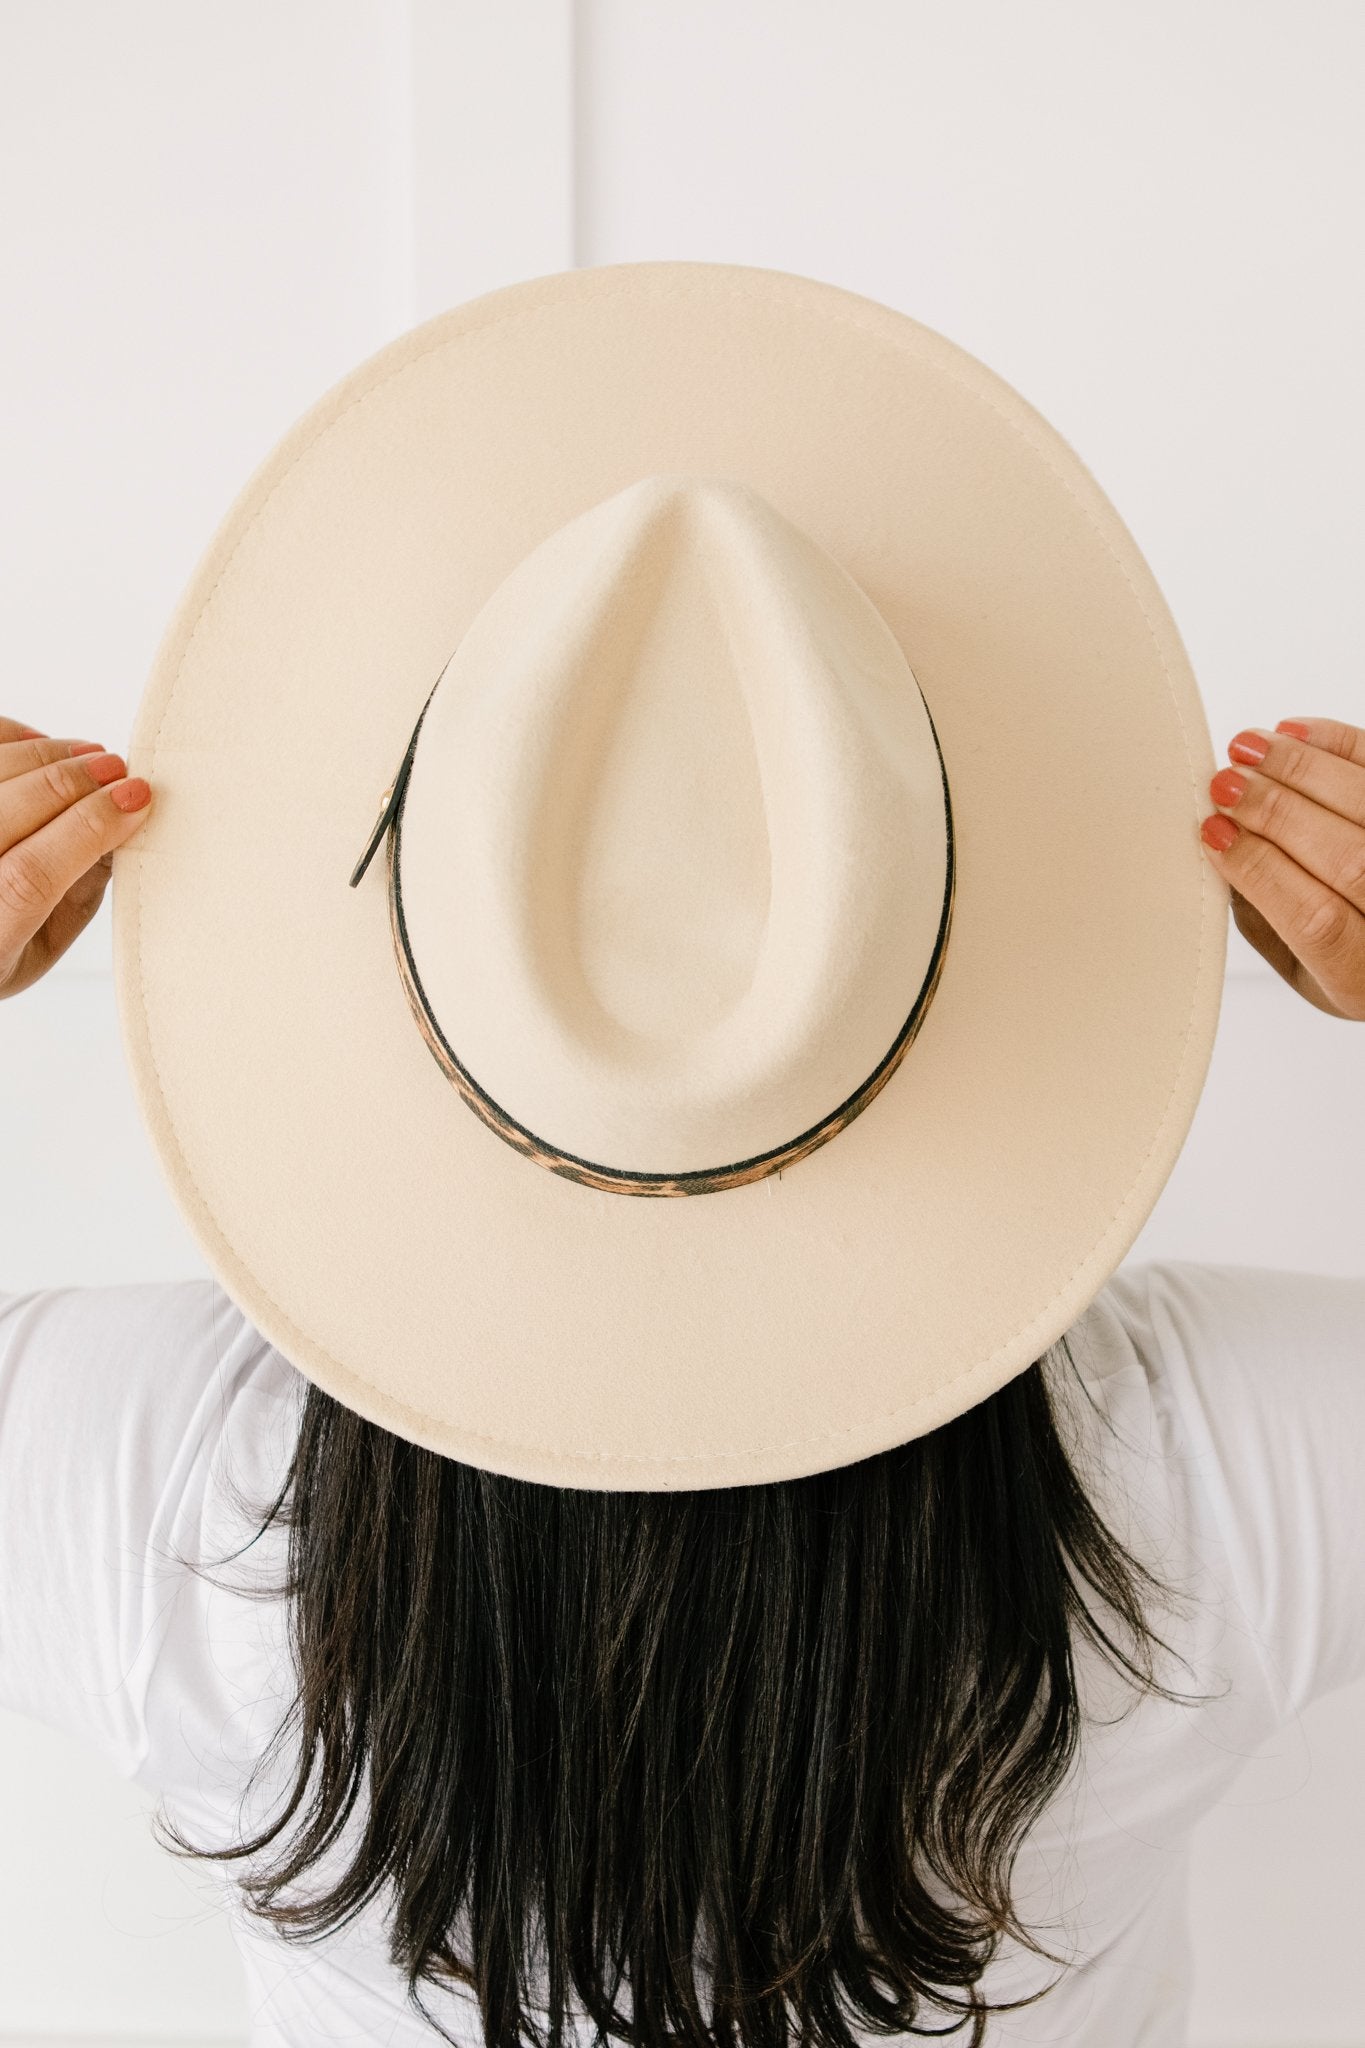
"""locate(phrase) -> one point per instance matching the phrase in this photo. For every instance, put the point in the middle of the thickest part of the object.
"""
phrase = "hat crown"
(673, 851)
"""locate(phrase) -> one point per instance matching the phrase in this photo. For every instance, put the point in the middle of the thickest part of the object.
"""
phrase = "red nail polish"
(131, 795)
(1248, 746)
(1293, 727)
(1218, 832)
(1228, 787)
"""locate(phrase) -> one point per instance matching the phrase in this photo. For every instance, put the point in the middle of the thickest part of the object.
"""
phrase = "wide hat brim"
(393, 1247)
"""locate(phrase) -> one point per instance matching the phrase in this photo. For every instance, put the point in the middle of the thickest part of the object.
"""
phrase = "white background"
(1146, 217)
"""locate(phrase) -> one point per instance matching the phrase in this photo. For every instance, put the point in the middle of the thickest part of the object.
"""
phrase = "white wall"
(1146, 217)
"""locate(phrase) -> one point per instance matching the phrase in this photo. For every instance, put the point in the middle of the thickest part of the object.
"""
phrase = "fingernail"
(1228, 787)
(131, 795)
(1218, 832)
(1248, 746)
(1293, 727)
(85, 747)
(105, 767)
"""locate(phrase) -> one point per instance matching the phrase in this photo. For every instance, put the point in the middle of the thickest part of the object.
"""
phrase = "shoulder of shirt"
(1156, 1329)
(1145, 1301)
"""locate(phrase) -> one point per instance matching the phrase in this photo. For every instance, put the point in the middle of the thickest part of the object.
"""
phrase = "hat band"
(589, 1173)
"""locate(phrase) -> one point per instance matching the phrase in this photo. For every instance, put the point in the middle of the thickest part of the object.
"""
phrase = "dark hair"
(772, 1723)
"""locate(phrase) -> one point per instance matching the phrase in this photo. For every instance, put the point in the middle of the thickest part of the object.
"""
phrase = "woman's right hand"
(64, 807)
(1289, 839)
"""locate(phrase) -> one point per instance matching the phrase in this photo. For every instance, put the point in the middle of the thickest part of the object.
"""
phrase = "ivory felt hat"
(671, 948)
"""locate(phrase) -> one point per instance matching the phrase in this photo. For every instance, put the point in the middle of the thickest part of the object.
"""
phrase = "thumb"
(75, 910)
(1260, 933)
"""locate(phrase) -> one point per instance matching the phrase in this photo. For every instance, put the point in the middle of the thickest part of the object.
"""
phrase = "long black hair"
(795, 1732)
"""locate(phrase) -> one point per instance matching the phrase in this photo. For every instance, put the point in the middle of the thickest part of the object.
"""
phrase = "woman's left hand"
(64, 807)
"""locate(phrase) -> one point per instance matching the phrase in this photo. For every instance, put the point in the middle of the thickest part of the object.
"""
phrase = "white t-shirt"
(127, 1414)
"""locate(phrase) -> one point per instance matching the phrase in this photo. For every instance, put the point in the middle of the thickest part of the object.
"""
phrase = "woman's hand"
(64, 806)
(1289, 839)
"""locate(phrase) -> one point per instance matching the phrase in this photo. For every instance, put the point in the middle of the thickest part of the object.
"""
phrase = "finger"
(17, 756)
(1251, 923)
(31, 798)
(1272, 948)
(1334, 779)
(73, 913)
(1321, 841)
(1329, 735)
(36, 873)
(11, 729)
(1320, 927)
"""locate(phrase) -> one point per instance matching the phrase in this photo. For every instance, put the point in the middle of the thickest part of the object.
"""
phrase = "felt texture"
(674, 845)
(396, 1249)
